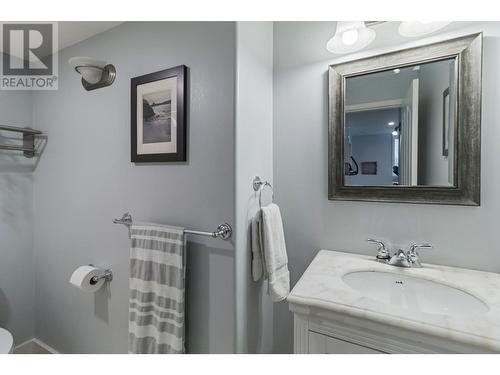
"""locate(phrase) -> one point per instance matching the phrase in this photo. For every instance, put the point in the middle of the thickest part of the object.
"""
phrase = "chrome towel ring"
(259, 185)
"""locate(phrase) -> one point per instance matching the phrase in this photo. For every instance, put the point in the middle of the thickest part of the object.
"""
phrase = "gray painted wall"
(462, 236)
(85, 179)
(254, 156)
(16, 222)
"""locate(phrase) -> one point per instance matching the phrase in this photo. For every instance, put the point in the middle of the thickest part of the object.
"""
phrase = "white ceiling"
(306, 39)
(73, 32)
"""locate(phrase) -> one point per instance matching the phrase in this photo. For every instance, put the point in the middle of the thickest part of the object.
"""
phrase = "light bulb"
(349, 37)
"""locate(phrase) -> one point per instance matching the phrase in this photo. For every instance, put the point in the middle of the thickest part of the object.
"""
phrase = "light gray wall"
(85, 179)
(462, 236)
(254, 156)
(16, 222)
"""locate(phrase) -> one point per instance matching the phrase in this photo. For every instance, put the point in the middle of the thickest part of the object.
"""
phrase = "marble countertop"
(321, 287)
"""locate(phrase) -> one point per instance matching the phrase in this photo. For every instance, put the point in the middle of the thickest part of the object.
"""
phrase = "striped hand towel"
(157, 277)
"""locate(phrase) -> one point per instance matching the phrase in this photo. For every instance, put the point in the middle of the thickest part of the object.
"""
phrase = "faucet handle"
(414, 247)
(381, 245)
(383, 254)
(413, 256)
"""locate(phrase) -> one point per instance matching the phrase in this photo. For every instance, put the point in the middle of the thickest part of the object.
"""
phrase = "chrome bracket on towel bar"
(28, 147)
(223, 231)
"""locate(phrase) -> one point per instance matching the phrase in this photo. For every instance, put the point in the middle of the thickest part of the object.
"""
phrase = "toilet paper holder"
(107, 275)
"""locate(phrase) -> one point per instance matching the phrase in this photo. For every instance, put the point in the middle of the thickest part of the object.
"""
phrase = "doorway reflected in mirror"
(400, 119)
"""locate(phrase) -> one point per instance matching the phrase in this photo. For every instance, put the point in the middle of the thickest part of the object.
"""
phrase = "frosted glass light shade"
(349, 37)
(95, 74)
(412, 29)
(90, 74)
(90, 69)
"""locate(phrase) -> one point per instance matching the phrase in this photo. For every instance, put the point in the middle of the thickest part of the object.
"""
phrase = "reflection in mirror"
(400, 126)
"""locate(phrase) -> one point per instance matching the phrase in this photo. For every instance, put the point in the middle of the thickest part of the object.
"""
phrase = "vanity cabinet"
(337, 334)
(313, 337)
(332, 316)
(319, 343)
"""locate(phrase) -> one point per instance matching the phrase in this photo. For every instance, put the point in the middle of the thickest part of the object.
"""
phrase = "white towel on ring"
(273, 248)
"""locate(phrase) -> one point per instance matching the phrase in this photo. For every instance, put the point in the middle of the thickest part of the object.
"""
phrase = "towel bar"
(223, 231)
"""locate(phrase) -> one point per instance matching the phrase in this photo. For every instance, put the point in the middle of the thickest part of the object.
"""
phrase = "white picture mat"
(168, 84)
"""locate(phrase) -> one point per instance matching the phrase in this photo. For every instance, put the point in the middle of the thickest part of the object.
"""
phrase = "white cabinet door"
(322, 344)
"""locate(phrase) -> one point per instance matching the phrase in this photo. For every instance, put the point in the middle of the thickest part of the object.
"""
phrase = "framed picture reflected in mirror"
(446, 121)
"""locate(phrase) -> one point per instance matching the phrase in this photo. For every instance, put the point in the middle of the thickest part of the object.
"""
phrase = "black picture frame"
(180, 74)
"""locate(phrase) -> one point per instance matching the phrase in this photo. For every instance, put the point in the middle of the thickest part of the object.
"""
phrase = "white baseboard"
(34, 346)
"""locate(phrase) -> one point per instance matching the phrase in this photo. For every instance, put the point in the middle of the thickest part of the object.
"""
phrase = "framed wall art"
(158, 116)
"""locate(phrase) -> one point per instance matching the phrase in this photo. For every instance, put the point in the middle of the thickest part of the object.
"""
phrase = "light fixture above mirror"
(413, 29)
(350, 36)
(95, 73)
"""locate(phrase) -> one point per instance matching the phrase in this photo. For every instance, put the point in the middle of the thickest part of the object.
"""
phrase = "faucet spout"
(400, 259)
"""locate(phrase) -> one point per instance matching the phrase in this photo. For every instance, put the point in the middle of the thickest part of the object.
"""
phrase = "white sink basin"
(414, 293)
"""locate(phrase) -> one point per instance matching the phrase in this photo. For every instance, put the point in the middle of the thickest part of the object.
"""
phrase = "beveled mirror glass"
(405, 126)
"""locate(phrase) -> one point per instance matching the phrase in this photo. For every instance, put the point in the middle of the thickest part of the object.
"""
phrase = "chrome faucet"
(410, 259)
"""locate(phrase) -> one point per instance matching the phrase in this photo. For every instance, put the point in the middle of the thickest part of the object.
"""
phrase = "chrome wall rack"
(28, 147)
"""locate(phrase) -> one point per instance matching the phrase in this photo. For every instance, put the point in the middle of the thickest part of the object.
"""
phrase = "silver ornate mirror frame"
(468, 53)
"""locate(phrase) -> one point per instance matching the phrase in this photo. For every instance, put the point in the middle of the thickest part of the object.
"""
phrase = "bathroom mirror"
(405, 126)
